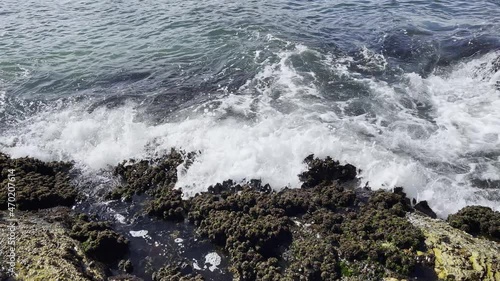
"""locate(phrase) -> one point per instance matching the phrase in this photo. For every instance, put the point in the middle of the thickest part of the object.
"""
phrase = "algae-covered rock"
(325, 171)
(99, 241)
(311, 257)
(37, 184)
(45, 251)
(141, 176)
(182, 272)
(458, 255)
(125, 266)
(322, 232)
(167, 204)
(156, 178)
(124, 277)
(379, 232)
(247, 229)
(477, 220)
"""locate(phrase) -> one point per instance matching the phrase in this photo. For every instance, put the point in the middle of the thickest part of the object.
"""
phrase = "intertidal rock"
(45, 251)
(157, 179)
(424, 208)
(325, 171)
(458, 255)
(99, 241)
(145, 175)
(38, 184)
(322, 232)
(167, 204)
(181, 272)
(477, 220)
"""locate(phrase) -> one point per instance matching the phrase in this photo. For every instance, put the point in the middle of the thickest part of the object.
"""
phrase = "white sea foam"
(213, 259)
(276, 119)
(139, 233)
(2, 101)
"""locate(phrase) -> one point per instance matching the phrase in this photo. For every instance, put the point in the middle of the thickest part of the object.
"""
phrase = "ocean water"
(407, 91)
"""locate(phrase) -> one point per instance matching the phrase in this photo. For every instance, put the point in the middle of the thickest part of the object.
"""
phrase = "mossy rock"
(478, 221)
(145, 175)
(38, 184)
(303, 234)
(312, 258)
(325, 171)
(379, 232)
(156, 178)
(182, 272)
(99, 241)
(45, 251)
(168, 205)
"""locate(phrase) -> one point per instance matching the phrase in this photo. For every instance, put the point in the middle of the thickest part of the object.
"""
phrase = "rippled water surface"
(408, 91)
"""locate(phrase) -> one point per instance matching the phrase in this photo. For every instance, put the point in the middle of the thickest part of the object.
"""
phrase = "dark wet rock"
(325, 171)
(99, 241)
(477, 220)
(157, 179)
(245, 226)
(38, 184)
(424, 208)
(145, 175)
(182, 272)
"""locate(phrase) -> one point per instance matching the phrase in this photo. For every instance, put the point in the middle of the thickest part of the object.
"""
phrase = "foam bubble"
(214, 260)
(139, 233)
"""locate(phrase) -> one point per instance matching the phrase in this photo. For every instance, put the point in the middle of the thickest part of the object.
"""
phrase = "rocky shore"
(324, 230)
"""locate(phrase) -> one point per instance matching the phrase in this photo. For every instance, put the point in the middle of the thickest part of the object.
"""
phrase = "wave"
(435, 135)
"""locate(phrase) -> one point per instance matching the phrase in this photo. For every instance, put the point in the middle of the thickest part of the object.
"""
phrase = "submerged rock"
(38, 184)
(458, 255)
(477, 220)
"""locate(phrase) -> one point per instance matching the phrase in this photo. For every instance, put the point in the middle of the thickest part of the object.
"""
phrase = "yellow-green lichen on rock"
(46, 252)
(458, 255)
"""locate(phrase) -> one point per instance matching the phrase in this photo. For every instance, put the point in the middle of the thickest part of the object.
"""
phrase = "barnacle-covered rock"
(38, 184)
(477, 220)
(181, 272)
(325, 171)
(99, 241)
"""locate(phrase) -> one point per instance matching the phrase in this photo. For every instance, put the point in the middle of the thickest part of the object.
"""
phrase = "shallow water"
(408, 91)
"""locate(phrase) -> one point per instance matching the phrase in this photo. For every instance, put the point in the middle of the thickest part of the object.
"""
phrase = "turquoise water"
(408, 91)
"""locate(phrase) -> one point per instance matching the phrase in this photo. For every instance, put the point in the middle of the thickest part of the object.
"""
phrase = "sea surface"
(407, 91)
